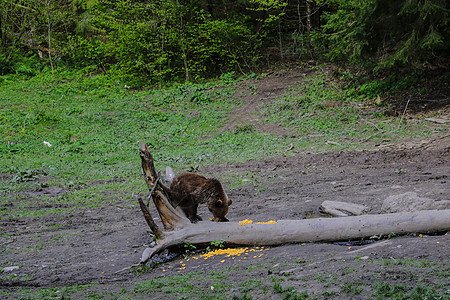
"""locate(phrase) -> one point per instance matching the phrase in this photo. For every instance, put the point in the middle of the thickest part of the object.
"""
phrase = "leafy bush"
(20, 66)
(382, 33)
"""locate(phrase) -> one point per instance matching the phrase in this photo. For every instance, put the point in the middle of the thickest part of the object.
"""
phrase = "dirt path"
(256, 93)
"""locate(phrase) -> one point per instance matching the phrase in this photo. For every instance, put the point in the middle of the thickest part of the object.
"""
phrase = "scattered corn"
(229, 252)
(245, 222)
(268, 222)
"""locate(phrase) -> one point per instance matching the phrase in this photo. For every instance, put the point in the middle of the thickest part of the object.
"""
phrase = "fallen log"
(307, 230)
(179, 230)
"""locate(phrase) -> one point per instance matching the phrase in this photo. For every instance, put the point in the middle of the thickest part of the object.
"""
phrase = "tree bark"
(179, 230)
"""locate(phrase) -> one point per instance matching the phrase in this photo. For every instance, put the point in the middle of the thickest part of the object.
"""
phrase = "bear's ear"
(219, 203)
(230, 201)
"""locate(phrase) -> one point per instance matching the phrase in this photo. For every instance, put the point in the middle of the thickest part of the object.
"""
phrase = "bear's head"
(218, 201)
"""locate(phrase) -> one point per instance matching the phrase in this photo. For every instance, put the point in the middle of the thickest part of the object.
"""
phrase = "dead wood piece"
(155, 229)
(342, 209)
(148, 166)
(281, 232)
(307, 230)
(438, 120)
(170, 217)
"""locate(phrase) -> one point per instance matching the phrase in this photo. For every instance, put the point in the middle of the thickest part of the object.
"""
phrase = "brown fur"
(188, 190)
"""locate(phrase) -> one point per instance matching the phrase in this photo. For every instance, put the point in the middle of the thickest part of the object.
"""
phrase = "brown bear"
(188, 190)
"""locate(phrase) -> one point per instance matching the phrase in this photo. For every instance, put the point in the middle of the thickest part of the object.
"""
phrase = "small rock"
(410, 201)
(438, 120)
(9, 269)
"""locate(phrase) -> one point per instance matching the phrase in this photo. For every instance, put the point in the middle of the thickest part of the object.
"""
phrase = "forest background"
(152, 43)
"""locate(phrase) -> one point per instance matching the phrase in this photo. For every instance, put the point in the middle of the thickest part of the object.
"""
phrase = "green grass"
(289, 292)
(352, 288)
(326, 115)
(385, 290)
(241, 283)
(52, 293)
(95, 126)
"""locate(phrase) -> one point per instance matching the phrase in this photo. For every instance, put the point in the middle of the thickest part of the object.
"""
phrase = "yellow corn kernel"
(268, 222)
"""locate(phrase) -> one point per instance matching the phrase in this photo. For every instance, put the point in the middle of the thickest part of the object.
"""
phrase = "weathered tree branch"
(148, 218)
(170, 217)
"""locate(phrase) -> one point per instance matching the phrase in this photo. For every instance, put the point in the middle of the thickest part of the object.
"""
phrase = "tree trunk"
(280, 232)
(308, 15)
(49, 34)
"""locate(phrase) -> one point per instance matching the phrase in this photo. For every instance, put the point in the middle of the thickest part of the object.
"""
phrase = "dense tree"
(34, 28)
(155, 41)
(382, 33)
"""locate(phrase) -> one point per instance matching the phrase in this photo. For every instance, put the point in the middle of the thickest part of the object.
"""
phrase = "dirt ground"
(94, 245)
